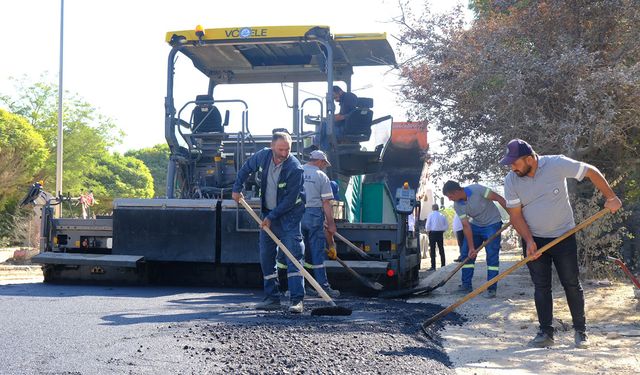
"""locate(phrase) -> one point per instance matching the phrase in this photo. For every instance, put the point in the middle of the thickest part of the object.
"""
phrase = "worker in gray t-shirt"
(538, 203)
(474, 205)
(318, 212)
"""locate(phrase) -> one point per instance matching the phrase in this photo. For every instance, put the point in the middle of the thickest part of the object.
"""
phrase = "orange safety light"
(405, 186)
(200, 31)
(390, 273)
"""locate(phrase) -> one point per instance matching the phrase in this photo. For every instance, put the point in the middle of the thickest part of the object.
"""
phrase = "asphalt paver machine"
(197, 234)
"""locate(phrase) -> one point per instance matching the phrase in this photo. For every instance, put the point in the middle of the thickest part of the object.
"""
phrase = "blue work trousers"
(564, 256)
(480, 234)
(287, 229)
(315, 243)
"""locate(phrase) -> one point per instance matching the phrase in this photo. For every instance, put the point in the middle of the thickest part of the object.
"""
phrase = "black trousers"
(460, 239)
(564, 257)
(436, 238)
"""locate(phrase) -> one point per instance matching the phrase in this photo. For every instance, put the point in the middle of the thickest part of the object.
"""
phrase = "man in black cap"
(538, 204)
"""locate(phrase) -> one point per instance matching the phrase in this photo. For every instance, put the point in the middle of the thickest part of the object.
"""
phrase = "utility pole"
(60, 133)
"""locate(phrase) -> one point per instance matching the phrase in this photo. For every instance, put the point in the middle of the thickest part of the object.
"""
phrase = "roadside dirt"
(493, 338)
(15, 266)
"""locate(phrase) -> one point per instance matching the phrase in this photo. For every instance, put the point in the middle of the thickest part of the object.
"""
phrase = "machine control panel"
(405, 199)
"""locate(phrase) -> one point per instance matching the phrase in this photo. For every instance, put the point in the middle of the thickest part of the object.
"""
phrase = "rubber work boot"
(465, 289)
(542, 340)
(309, 291)
(491, 293)
(284, 298)
(581, 339)
(296, 308)
(268, 304)
(331, 292)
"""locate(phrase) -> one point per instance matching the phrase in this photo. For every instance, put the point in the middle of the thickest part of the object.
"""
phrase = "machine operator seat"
(206, 117)
(352, 160)
(207, 128)
(357, 123)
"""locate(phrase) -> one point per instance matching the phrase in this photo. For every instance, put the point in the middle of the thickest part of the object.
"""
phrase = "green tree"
(118, 176)
(156, 158)
(87, 134)
(22, 155)
(449, 213)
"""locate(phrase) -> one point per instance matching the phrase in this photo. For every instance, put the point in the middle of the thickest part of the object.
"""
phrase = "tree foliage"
(87, 135)
(118, 176)
(22, 155)
(88, 163)
(156, 158)
(563, 75)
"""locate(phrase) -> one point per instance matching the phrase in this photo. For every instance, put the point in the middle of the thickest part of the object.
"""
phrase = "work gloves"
(332, 253)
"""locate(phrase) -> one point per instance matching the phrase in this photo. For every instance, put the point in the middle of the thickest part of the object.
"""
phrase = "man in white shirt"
(436, 225)
(459, 233)
(411, 224)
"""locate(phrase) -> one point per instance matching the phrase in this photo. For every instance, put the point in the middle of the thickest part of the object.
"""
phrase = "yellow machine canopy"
(272, 54)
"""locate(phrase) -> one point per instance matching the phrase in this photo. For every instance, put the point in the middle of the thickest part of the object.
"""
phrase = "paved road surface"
(63, 329)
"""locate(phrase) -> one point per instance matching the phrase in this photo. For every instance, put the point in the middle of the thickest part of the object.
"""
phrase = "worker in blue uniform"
(282, 193)
(480, 217)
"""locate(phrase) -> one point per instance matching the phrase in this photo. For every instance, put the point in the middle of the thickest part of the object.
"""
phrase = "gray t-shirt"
(478, 208)
(544, 197)
(317, 186)
(273, 175)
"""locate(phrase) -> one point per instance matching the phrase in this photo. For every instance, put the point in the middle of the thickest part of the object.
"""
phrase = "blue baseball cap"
(516, 149)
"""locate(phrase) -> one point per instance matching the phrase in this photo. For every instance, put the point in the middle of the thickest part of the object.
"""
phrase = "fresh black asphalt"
(67, 329)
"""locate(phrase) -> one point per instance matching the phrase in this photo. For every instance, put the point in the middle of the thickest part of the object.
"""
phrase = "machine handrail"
(301, 121)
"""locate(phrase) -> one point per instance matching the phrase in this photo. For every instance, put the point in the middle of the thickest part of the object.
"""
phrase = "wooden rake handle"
(501, 276)
(286, 251)
(363, 280)
(485, 243)
(353, 246)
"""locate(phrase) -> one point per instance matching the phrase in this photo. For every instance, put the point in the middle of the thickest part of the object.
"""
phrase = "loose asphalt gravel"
(58, 329)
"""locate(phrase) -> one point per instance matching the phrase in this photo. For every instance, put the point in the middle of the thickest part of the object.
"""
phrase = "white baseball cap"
(319, 155)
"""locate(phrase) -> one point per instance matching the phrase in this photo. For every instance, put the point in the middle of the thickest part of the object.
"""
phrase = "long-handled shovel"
(524, 261)
(468, 258)
(333, 310)
(363, 280)
(430, 288)
(354, 247)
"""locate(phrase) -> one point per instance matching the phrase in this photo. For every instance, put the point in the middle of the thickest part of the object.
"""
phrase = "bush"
(601, 239)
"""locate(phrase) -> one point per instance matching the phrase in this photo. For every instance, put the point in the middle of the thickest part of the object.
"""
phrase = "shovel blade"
(331, 311)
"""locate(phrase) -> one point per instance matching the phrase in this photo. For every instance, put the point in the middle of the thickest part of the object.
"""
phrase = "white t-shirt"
(411, 222)
(436, 222)
(457, 224)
